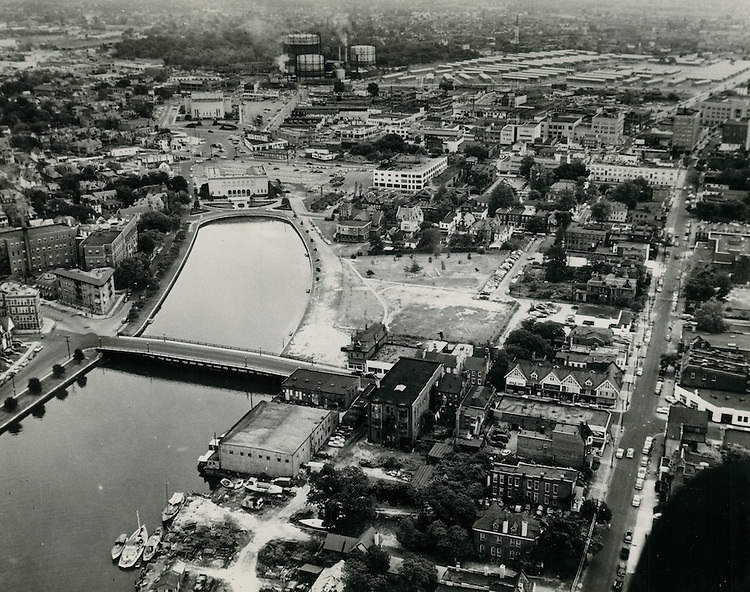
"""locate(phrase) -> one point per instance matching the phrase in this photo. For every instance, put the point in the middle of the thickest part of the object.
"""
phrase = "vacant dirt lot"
(421, 312)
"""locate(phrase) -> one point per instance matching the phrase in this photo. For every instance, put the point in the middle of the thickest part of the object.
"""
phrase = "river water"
(244, 284)
(73, 479)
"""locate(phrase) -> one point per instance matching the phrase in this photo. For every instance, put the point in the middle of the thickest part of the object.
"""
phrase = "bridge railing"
(250, 350)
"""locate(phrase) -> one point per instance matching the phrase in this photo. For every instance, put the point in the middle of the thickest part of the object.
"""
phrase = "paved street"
(639, 421)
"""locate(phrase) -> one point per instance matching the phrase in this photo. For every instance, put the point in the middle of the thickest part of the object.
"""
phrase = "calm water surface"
(244, 284)
(72, 481)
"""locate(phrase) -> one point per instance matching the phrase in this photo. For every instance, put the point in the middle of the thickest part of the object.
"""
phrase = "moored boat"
(119, 546)
(174, 505)
(238, 484)
(134, 546)
(152, 545)
(227, 483)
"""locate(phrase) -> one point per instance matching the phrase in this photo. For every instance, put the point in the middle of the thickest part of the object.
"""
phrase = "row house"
(449, 393)
(537, 484)
(502, 536)
(474, 411)
(547, 380)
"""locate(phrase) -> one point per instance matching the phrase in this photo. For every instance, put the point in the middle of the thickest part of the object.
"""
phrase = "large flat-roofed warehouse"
(275, 439)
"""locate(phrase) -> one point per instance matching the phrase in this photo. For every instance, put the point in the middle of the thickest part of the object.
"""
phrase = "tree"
(502, 196)
(178, 183)
(477, 150)
(527, 163)
(704, 282)
(524, 344)
(536, 225)
(418, 575)
(496, 375)
(78, 355)
(709, 317)
(10, 404)
(377, 560)
(430, 240)
(58, 370)
(357, 577)
(566, 200)
(601, 211)
(34, 385)
(147, 241)
(572, 171)
(344, 499)
(414, 267)
(132, 272)
(560, 545)
(155, 221)
(373, 89)
(589, 506)
(556, 264)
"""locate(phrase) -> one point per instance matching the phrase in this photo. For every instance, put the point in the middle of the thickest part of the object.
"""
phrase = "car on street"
(639, 372)
(620, 452)
(662, 410)
(644, 461)
(636, 501)
(621, 570)
(639, 484)
(618, 584)
(628, 538)
(630, 453)
(625, 552)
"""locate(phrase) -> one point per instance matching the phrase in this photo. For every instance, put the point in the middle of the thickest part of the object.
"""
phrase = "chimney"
(505, 526)
(501, 572)
(524, 528)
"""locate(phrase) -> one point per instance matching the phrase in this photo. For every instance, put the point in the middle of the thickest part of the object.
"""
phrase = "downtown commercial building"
(408, 173)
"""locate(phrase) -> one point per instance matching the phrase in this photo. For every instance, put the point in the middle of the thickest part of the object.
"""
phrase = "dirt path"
(241, 575)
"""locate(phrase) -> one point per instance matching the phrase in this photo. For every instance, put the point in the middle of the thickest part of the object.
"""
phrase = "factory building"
(275, 439)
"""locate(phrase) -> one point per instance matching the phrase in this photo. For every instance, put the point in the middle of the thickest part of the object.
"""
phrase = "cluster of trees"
(632, 192)
(732, 210)
(403, 53)
(502, 196)
(704, 282)
(343, 499)
(32, 115)
(709, 316)
(734, 171)
(369, 573)
(385, 147)
(448, 509)
(534, 340)
(228, 49)
(541, 179)
(561, 544)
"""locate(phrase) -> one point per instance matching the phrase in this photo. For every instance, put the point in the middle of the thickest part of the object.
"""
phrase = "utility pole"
(67, 342)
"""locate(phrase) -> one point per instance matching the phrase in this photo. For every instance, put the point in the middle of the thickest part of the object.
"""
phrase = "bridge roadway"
(218, 357)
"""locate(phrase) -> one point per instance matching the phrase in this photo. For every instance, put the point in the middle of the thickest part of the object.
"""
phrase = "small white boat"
(174, 505)
(134, 546)
(227, 483)
(152, 545)
(238, 484)
(119, 546)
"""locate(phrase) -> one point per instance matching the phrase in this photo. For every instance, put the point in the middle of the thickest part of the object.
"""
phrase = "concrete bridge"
(207, 355)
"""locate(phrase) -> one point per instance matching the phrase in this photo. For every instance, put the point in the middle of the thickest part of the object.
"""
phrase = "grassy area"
(533, 285)
(458, 271)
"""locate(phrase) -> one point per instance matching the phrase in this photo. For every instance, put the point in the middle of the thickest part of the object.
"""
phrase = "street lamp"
(13, 381)
(67, 342)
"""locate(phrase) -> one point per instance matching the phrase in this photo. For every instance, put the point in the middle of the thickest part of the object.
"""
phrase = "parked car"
(636, 501)
(622, 570)
(630, 453)
(639, 484)
(628, 538)
(639, 372)
(662, 410)
(618, 584)
(620, 452)
(625, 552)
